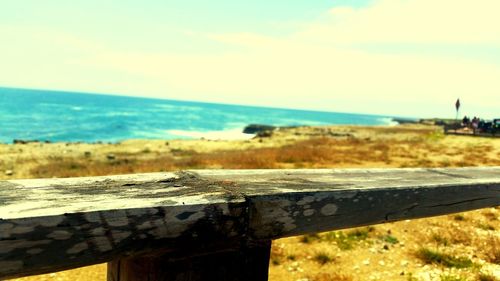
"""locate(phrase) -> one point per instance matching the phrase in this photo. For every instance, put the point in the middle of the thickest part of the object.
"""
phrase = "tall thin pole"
(457, 107)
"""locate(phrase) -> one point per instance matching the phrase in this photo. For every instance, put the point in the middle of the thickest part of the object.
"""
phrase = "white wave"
(76, 108)
(388, 121)
(233, 134)
(169, 107)
(121, 113)
(166, 106)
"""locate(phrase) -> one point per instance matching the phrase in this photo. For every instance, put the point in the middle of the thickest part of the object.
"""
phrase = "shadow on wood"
(248, 263)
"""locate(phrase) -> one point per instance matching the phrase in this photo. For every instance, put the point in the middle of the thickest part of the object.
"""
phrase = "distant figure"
(481, 125)
(475, 123)
(465, 121)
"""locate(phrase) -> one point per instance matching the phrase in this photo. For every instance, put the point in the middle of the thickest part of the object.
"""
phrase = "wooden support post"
(248, 263)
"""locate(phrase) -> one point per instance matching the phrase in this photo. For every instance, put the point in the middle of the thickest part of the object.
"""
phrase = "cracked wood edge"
(293, 202)
(50, 225)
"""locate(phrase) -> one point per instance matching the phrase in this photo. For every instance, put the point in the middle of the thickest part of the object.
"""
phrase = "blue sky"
(397, 57)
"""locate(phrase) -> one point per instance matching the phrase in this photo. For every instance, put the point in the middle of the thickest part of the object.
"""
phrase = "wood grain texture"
(292, 202)
(50, 225)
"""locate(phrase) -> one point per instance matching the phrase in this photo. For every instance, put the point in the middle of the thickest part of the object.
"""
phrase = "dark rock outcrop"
(405, 121)
(258, 128)
(16, 141)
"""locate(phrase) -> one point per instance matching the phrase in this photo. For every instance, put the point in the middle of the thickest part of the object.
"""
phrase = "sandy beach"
(393, 251)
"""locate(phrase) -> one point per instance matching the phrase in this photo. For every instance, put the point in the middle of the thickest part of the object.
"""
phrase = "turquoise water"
(62, 116)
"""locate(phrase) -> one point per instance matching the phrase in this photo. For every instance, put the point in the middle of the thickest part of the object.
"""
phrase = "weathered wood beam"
(50, 225)
(292, 202)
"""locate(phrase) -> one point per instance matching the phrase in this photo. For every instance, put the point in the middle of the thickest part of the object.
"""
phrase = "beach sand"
(382, 252)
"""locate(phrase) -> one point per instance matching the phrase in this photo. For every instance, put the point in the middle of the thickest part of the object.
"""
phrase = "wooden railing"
(212, 224)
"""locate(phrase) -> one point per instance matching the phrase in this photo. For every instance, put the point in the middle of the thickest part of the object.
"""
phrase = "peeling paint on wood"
(55, 224)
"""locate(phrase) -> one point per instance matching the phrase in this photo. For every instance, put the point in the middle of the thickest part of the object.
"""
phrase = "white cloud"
(322, 66)
(413, 21)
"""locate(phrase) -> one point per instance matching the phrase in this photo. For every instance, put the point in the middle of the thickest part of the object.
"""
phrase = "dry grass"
(492, 250)
(322, 258)
(436, 257)
(75, 167)
(486, 277)
(331, 277)
(322, 152)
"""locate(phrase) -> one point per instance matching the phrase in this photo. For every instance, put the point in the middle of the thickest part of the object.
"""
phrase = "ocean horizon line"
(78, 92)
(55, 116)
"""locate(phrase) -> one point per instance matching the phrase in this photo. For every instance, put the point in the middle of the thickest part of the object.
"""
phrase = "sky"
(391, 57)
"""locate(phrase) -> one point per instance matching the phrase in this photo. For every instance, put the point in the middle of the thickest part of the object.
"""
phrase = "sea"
(84, 117)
